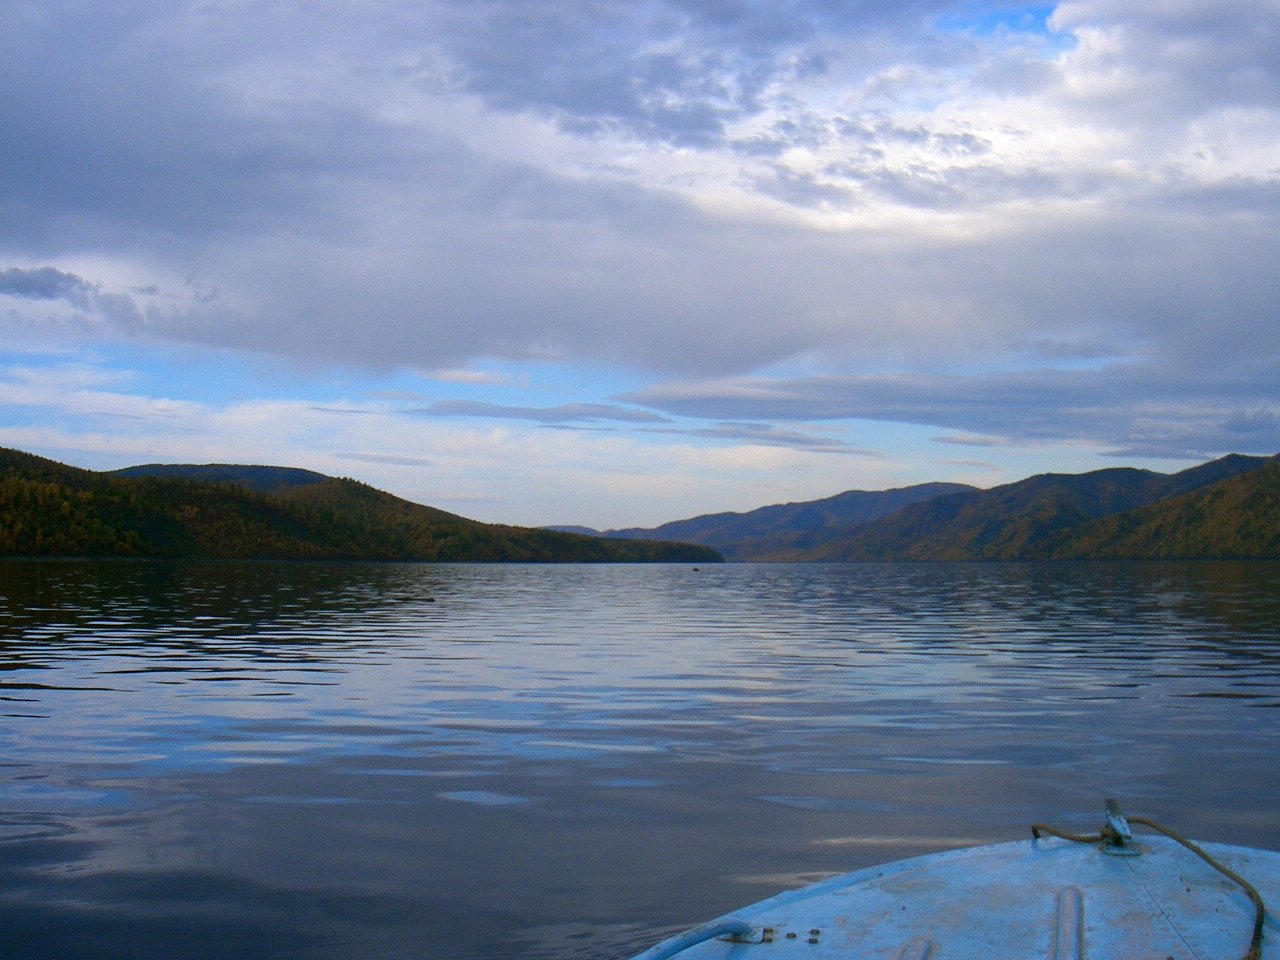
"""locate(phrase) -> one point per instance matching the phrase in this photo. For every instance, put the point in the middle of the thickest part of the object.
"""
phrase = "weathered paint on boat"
(1048, 899)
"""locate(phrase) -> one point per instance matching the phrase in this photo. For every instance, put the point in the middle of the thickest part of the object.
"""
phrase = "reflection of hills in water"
(227, 607)
(1124, 614)
(1116, 612)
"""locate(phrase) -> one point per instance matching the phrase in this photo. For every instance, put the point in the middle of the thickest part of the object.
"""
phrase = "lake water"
(467, 761)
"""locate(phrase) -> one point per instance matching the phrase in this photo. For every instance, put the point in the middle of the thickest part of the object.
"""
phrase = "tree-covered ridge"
(50, 509)
(1229, 508)
(260, 478)
(1080, 516)
(1234, 519)
(784, 531)
(1050, 516)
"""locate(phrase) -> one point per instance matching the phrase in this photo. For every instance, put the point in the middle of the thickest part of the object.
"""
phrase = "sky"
(614, 264)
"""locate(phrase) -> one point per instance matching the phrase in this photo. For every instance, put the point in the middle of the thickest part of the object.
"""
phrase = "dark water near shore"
(466, 762)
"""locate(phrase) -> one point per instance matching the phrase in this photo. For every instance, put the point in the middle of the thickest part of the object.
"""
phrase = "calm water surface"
(480, 762)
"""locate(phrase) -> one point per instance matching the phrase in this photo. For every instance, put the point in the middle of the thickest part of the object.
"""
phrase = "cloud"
(1168, 60)
(387, 459)
(563, 414)
(764, 434)
(47, 378)
(975, 465)
(596, 416)
(53, 297)
(474, 377)
(912, 198)
(1146, 412)
(970, 440)
(44, 283)
(80, 391)
(677, 72)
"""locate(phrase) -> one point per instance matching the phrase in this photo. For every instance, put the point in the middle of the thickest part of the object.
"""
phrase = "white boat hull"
(1046, 899)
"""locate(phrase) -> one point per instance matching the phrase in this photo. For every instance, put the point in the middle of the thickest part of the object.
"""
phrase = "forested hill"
(261, 479)
(1226, 508)
(780, 531)
(1236, 518)
(231, 512)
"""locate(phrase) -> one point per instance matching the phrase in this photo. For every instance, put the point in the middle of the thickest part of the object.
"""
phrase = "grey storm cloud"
(86, 302)
(43, 283)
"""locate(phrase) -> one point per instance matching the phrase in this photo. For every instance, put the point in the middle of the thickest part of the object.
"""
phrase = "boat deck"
(1045, 899)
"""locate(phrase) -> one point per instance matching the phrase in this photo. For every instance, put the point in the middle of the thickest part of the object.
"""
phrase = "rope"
(1260, 908)
(1107, 834)
(1040, 829)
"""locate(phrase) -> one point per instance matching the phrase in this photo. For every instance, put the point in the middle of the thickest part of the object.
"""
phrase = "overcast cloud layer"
(1010, 224)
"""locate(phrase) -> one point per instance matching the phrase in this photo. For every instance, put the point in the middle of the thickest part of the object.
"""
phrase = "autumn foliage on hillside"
(49, 509)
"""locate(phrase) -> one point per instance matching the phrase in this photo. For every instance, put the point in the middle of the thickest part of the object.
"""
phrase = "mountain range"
(783, 531)
(224, 511)
(1227, 508)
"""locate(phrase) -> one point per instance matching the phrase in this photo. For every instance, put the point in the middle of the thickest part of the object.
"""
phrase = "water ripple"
(623, 747)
